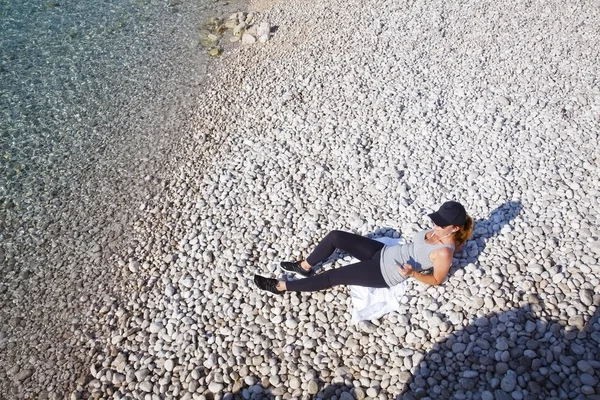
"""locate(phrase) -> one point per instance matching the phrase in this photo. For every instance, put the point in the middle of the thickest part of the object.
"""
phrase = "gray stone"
(216, 387)
(313, 387)
(120, 362)
(467, 384)
(458, 347)
(248, 39)
(170, 290)
(502, 368)
(501, 395)
(487, 395)
(585, 366)
(23, 374)
(360, 393)
(404, 377)
(294, 383)
(587, 297)
(146, 386)
(346, 396)
(141, 374)
(263, 30)
(470, 374)
(134, 266)
(509, 382)
(588, 379)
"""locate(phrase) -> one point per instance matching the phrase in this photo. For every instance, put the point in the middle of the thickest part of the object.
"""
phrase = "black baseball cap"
(450, 213)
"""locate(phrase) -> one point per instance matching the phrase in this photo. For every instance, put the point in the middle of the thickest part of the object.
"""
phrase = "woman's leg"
(357, 246)
(365, 273)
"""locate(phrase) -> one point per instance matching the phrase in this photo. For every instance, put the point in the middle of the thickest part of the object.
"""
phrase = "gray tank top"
(415, 254)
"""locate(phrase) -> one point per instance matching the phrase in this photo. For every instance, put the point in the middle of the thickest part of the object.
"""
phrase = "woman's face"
(442, 231)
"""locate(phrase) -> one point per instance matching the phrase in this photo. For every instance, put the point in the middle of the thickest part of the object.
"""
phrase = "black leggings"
(364, 273)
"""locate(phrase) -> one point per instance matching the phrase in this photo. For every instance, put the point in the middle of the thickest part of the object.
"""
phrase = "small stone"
(248, 39)
(502, 395)
(458, 347)
(294, 383)
(360, 393)
(188, 283)
(170, 290)
(291, 323)
(238, 30)
(134, 266)
(587, 297)
(146, 386)
(313, 387)
(588, 390)
(584, 366)
(263, 29)
(346, 396)
(470, 374)
(595, 247)
(404, 377)
(169, 365)
(509, 382)
(278, 391)
(155, 327)
(215, 387)
(487, 395)
(577, 321)
(501, 368)
(119, 363)
(275, 380)
(23, 374)
(142, 374)
(231, 23)
(503, 100)
(588, 379)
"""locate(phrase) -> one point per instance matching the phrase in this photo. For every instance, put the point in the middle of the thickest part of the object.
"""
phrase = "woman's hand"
(405, 270)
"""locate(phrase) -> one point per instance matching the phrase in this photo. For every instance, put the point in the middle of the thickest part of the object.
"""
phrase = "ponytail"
(464, 234)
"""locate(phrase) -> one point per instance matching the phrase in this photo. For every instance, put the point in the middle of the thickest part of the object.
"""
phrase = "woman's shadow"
(484, 230)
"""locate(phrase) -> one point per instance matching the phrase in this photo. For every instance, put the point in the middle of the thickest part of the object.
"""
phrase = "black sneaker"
(267, 284)
(294, 266)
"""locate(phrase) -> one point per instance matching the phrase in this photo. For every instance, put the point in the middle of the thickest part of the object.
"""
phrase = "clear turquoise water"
(83, 86)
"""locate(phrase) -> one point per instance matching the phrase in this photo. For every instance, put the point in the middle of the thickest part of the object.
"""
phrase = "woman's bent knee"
(335, 235)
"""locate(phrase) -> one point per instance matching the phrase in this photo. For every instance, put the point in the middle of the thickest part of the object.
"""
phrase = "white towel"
(373, 303)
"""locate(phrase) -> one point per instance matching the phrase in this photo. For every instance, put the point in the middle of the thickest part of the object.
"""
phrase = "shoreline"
(89, 123)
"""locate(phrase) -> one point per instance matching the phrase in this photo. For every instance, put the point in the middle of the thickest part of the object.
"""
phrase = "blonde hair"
(465, 231)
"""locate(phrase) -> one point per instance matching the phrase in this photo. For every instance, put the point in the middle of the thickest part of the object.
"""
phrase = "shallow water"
(71, 72)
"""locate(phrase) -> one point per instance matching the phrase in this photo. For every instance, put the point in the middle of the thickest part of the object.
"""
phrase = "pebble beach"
(144, 182)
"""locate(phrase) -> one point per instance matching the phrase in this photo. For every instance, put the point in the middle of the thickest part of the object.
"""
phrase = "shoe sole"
(293, 272)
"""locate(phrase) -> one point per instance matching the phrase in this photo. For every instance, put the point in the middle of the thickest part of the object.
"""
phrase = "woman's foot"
(269, 284)
(299, 267)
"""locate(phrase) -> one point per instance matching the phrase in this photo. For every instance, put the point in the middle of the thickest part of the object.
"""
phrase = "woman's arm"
(442, 260)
